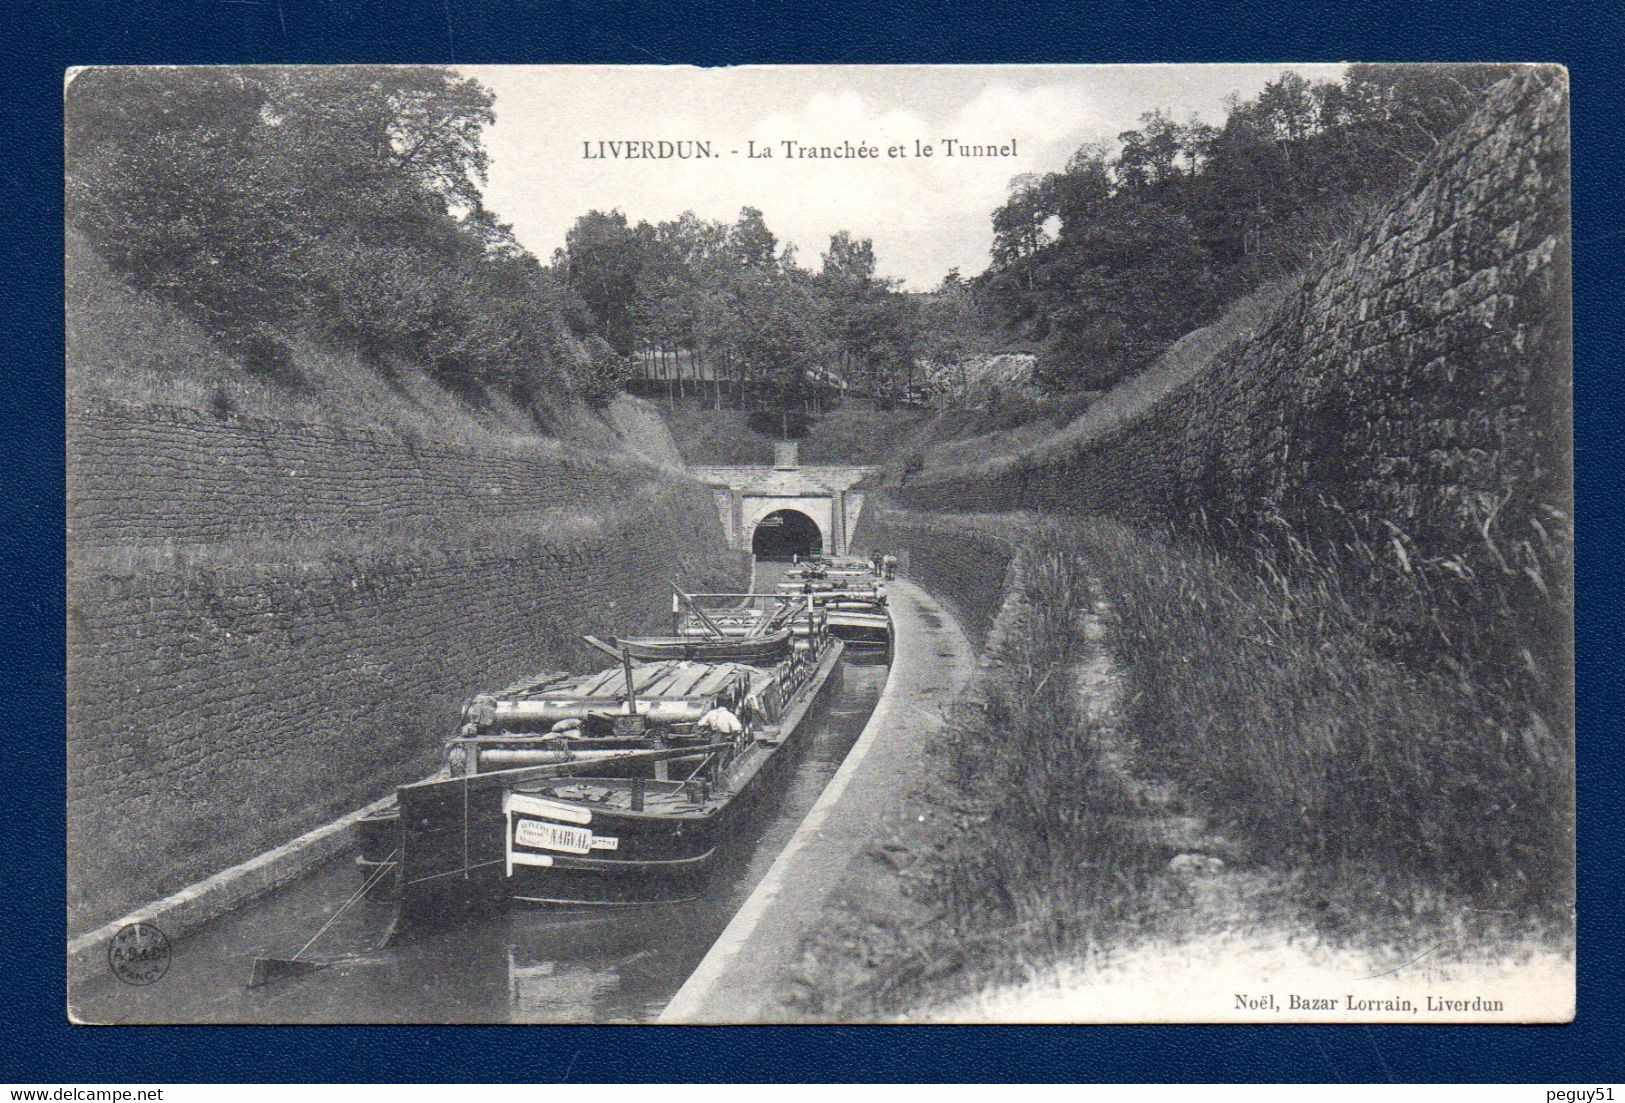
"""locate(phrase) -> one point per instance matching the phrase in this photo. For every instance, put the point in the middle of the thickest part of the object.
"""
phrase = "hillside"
(975, 438)
(1281, 676)
(281, 587)
(855, 432)
(982, 429)
(1390, 435)
(128, 347)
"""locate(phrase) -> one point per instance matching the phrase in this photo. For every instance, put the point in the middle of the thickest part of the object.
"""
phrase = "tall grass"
(1055, 862)
(1272, 698)
(967, 435)
(1288, 707)
(1032, 855)
(857, 432)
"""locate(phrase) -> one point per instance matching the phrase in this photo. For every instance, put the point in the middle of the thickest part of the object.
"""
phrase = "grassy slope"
(1359, 804)
(961, 436)
(1344, 797)
(853, 433)
(972, 439)
(707, 436)
(128, 347)
(858, 433)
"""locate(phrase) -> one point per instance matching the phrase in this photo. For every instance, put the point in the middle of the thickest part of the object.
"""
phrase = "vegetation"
(342, 203)
(1107, 261)
(1023, 850)
(720, 437)
(1018, 427)
(708, 303)
(133, 347)
(1365, 796)
(857, 432)
(1098, 267)
(1053, 863)
(1288, 708)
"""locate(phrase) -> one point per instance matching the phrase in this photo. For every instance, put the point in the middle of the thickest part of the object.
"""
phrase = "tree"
(1150, 156)
(1396, 114)
(1021, 225)
(344, 201)
(849, 262)
(950, 324)
(751, 242)
(1085, 182)
(782, 337)
(603, 258)
(1087, 262)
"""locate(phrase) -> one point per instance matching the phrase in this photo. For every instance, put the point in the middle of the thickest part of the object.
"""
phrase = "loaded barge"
(850, 595)
(617, 787)
(745, 628)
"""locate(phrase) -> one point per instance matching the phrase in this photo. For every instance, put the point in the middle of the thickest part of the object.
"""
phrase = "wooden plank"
(645, 678)
(717, 679)
(599, 685)
(684, 685)
(606, 648)
(536, 683)
(659, 688)
(684, 676)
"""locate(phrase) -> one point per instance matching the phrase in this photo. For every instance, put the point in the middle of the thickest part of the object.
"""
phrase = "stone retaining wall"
(1415, 393)
(165, 473)
(244, 687)
(963, 561)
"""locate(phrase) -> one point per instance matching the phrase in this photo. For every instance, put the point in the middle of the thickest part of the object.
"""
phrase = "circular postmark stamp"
(139, 954)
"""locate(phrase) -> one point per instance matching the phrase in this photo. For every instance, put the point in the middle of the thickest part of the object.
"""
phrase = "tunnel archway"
(785, 533)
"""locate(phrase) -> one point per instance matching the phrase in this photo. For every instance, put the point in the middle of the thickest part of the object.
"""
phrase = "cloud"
(925, 215)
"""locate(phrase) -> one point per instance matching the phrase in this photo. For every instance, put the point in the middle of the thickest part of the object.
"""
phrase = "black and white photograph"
(819, 544)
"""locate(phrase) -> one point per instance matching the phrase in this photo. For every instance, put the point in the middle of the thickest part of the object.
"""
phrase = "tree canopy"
(347, 200)
(343, 200)
(714, 302)
(1128, 247)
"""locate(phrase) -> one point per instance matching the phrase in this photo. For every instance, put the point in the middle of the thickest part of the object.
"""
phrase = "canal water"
(541, 965)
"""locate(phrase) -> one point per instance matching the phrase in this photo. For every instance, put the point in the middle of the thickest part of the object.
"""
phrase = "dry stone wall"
(221, 704)
(1416, 389)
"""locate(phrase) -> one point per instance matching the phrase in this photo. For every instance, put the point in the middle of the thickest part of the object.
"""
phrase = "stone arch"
(783, 533)
(755, 508)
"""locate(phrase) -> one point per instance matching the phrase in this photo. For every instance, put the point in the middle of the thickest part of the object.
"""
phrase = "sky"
(925, 215)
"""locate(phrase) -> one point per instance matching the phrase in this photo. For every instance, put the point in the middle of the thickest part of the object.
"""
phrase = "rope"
(372, 879)
(454, 872)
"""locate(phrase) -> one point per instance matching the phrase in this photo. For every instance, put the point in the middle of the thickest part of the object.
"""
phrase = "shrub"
(600, 373)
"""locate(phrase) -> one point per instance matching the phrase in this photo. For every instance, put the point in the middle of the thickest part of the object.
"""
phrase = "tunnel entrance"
(785, 533)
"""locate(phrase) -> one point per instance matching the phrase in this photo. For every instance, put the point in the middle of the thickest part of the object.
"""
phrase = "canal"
(537, 965)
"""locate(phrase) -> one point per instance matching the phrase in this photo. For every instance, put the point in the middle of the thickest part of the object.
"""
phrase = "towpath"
(744, 976)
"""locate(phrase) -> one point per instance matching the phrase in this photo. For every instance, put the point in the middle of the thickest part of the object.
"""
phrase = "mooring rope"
(372, 879)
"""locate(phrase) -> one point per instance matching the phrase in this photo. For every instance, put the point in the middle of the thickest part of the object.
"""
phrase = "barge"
(618, 787)
(854, 604)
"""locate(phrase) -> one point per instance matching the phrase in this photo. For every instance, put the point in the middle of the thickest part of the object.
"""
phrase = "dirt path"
(1226, 938)
(1205, 930)
(749, 974)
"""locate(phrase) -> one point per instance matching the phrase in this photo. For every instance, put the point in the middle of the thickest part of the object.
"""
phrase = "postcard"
(820, 544)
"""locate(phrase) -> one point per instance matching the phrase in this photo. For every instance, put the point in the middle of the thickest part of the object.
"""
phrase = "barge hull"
(456, 856)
